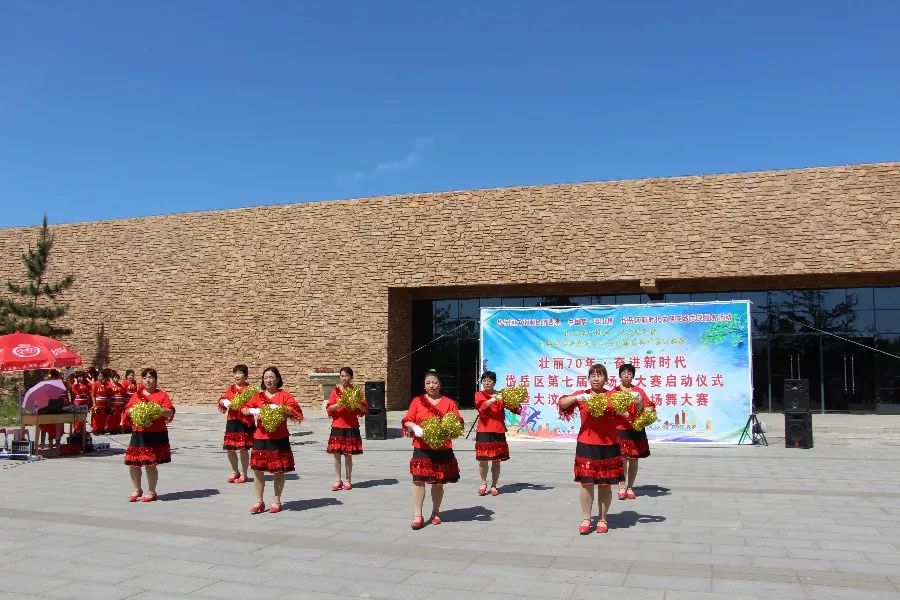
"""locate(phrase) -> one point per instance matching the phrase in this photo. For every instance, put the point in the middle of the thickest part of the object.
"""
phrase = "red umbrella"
(23, 352)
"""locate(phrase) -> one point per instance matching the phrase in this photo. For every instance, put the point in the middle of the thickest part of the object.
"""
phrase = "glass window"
(860, 298)
(862, 321)
(831, 299)
(887, 321)
(704, 297)
(628, 299)
(516, 302)
(581, 300)
(446, 309)
(781, 301)
(533, 301)
(678, 297)
(606, 300)
(490, 302)
(887, 369)
(887, 297)
(759, 324)
(468, 308)
(758, 300)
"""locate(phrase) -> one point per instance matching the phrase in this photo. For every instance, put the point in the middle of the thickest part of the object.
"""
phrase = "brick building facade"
(333, 283)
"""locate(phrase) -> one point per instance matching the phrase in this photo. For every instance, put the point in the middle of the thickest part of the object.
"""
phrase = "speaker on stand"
(798, 431)
(376, 418)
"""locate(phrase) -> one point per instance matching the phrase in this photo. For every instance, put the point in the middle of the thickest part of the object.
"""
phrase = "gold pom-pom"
(513, 397)
(241, 398)
(272, 418)
(433, 433)
(144, 414)
(596, 404)
(351, 398)
(647, 417)
(621, 401)
(452, 426)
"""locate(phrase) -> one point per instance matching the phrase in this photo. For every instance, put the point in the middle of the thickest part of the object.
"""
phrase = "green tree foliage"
(34, 306)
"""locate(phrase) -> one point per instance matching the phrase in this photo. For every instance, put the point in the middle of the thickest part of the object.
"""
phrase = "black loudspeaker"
(376, 424)
(798, 430)
(374, 391)
(796, 395)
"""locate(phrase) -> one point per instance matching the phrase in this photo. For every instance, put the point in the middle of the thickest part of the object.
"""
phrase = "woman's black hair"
(241, 369)
(432, 373)
(347, 370)
(278, 381)
(627, 367)
(489, 375)
(149, 371)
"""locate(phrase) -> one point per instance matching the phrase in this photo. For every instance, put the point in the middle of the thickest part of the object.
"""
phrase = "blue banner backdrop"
(692, 359)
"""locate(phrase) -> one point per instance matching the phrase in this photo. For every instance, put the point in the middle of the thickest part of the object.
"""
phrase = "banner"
(693, 360)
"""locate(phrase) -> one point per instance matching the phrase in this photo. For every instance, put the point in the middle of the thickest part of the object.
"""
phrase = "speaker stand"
(753, 432)
(474, 423)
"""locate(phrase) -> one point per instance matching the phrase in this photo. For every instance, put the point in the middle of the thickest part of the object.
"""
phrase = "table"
(38, 419)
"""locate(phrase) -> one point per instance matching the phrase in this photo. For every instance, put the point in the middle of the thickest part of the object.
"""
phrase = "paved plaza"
(726, 522)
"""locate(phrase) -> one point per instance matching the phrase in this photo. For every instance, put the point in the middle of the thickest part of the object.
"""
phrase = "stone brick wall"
(330, 283)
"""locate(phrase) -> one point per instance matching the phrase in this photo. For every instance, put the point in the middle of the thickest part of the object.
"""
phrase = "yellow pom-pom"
(621, 401)
(351, 398)
(513, 397)
(596, 404)
(272, 418)
(647, 417)
(144, 414)
(433, 433)
(241, 398)
(452, 426)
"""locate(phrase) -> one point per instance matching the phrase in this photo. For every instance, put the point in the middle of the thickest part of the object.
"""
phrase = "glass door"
(848, 374)
(795, 357)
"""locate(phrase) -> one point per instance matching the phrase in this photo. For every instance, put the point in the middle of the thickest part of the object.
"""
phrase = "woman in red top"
(345, 439)
(101, 394)
(149, 445)
(117, 406)
(131, 387)
(436, 466)
(598, 459)
(490, 437)
(239, 428)
(633, 443)
(271, 450)
(81, 389)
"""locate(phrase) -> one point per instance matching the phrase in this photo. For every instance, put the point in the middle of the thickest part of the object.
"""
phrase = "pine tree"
(27, 311)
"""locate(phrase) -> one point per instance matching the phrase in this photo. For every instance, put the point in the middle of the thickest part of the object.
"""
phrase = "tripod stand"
(753, 432)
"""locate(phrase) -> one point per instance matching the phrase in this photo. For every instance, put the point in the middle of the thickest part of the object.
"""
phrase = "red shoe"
(495, 491)
(241, 479)
(257, 508)
(482, 491)
(338, 485)
(435, 520)
(348, 486)
(275, 508)
(602, 527)
(630, 494)
(149, 497)
(233, 478)
(622, 494)
(418, 522)
(136, 496)
(585, 527)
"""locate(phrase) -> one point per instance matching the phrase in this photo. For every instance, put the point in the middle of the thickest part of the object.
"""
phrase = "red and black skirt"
(491, 446)
(344, 440)
(434, 466)
(238, 435)
(274, 456)
(597, 464)
(148, 448)
(634, 443)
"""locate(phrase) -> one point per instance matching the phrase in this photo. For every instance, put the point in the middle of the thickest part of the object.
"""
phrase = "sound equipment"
(376, 424)
(796, 395)
(374, 391)
(798, 430)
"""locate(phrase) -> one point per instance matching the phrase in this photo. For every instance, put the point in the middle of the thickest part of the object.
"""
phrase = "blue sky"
(118, 109)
